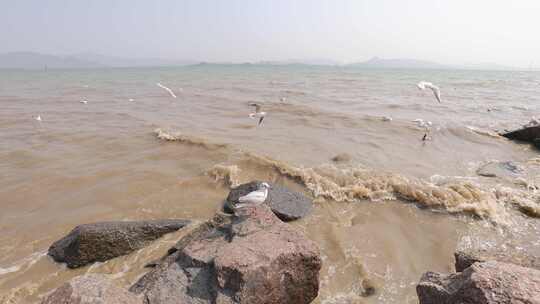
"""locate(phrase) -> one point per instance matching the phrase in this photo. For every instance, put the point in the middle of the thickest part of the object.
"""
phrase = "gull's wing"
(255, 196)
(436, 92)
(423, 84)
(257, 106)
(166, 89)
(261, 120)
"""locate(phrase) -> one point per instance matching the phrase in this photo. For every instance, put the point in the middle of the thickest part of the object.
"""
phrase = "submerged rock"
(504, 169)
(488, 283)
(342, 157)
(102, 241)
(250, 257)
(464, 259)
(91, 289)
(286, 204)
(527, 133)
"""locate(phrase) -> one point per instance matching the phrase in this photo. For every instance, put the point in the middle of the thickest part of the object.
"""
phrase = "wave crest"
(169, 135)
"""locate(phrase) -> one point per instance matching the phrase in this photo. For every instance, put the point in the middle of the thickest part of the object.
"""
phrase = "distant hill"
(379, 63)
(301, 62)
(488, 67)
(30, 60)
(119, 62)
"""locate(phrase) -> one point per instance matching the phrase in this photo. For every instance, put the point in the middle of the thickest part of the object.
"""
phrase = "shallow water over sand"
(398, 208)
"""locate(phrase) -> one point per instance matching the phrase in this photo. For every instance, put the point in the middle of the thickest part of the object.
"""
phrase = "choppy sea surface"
(393, 208)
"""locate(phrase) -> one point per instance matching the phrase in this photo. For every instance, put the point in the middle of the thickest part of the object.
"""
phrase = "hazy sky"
(447, 31)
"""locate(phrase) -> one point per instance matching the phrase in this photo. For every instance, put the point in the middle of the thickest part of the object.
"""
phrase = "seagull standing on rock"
(258, 113)
(256, 197)
(422, 85)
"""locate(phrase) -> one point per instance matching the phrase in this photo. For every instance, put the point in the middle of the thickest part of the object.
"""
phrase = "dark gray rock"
(249, 257)
(286, 204)
(465, 258)
(506, 169)
(529, 134)
(91, 289)
(486, 283)
(100, 242)
(341, 158)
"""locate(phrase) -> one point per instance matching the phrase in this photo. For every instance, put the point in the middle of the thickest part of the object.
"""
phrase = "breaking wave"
(24, 263)
(354, 183)
(328, 182)
(169, 135)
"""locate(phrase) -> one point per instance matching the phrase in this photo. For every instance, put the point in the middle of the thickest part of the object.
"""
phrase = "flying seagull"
(256, 197)
(422, 85)
(257, 113)
(426, 125)
(131, 99)
(84, 101)
(166, 89)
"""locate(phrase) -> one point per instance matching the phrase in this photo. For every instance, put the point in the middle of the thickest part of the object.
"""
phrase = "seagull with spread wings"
(258, 113)
(422, 85)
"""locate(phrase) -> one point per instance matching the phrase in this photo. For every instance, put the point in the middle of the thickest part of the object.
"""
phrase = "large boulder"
(486, 283)
(465, 258)
(527, 133)
(91, 289)
(100, 242)
(249, 257)
(286, 204)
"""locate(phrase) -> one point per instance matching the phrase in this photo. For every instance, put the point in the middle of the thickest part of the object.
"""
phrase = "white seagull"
(426, 125)
(256, 197)
(422, 85)
(84, 101)
(283, 99)
(131, 99)
(258, 113)
(166, 89)
(38, 118)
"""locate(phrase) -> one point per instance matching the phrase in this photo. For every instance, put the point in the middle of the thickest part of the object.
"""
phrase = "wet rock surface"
(250, 257)
(505, 169)
(466, 258)
(529, 134)
(102, 241)
(288, 205)
(91, 289)
(487, 283)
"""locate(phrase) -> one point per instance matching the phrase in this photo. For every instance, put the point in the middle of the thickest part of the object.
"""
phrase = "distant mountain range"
(301, 62)
(30, 60)
(378, 63)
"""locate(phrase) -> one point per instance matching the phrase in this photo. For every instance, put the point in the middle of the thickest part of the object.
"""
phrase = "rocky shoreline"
(483, 276)
(251, 255)
(528, 133)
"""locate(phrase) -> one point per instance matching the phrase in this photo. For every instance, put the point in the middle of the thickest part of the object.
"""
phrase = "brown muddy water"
(397, 208)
